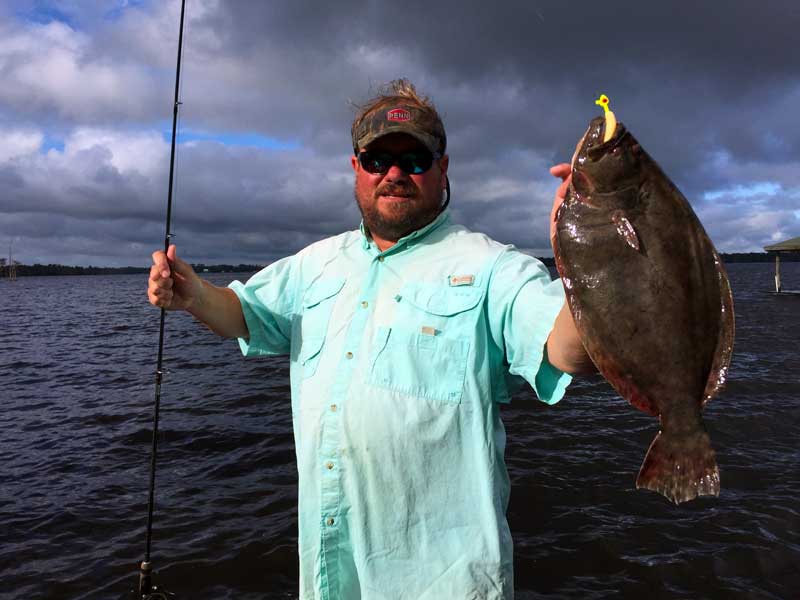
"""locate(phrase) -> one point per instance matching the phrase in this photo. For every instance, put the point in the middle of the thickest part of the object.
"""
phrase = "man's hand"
(564, 348)
(173, 284)
(564, 171)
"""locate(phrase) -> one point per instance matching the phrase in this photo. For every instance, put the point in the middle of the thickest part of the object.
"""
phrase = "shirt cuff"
(256, 344)
(550, 383)
(547, 381)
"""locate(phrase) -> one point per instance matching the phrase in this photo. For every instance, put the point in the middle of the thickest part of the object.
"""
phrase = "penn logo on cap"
(398, 114)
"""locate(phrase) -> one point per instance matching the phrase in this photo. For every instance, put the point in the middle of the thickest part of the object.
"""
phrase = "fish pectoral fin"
(625, 229)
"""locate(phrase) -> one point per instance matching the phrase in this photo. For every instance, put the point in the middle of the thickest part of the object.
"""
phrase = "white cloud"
(744, 192)
(145, 152)
(52, 68)
(19, 142)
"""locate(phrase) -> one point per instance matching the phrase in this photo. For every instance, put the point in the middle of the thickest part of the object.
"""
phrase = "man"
(404, 337)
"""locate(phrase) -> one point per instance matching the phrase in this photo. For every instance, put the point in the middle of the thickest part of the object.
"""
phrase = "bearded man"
(404, 337)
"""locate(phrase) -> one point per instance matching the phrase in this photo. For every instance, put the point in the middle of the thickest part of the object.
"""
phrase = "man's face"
(393, 204)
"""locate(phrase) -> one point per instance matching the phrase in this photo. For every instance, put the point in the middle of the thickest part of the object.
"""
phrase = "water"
(77, 357)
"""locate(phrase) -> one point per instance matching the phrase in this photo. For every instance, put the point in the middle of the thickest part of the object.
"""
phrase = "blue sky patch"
(116, 12)
(51, 143)
(252, 140)
(47, 11)
(44, 13)
(743, 192)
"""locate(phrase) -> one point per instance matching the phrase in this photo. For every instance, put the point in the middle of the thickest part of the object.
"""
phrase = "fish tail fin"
(680, 466)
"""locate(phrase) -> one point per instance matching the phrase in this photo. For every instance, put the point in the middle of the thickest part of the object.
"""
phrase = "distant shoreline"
(46, 270)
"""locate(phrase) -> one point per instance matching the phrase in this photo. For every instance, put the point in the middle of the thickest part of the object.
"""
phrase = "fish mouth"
(590, 149)
(588, 140)
(591, 144)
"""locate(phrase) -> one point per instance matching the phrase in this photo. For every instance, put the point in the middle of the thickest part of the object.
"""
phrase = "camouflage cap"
(400, 117)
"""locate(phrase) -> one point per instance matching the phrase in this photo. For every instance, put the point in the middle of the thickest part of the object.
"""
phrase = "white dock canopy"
(785, 247)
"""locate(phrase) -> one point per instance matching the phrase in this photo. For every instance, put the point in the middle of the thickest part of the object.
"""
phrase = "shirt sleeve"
(268, 300)
(523, 304)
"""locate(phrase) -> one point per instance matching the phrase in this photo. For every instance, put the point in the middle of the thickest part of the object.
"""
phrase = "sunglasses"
(413, 163)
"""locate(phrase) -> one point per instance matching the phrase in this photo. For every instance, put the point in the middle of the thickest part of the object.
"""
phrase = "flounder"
(651, 301)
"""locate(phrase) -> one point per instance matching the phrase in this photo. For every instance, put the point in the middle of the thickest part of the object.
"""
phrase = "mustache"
(397, 189)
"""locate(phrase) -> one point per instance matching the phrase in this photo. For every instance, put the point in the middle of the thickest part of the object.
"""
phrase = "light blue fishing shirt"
(399, 360)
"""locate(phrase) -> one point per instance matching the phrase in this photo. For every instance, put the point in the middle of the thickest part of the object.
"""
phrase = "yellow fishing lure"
(611, 119)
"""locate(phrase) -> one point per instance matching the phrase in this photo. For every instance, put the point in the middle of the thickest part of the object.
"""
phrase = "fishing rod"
(148, 590)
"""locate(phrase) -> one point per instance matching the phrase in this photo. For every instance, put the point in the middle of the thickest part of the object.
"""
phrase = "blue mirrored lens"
(413, 163)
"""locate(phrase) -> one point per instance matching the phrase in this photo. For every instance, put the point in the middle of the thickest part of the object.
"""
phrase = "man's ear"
(444, 162)
(354, 162)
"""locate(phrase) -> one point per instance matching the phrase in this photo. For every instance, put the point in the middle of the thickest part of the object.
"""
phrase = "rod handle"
(145, 578)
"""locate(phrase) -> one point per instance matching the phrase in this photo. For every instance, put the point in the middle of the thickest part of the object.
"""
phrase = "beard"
(396, 220)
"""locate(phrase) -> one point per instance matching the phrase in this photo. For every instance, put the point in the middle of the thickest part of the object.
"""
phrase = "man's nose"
(395, 173)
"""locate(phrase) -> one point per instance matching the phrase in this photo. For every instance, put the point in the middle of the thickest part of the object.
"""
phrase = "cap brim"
(430, 142)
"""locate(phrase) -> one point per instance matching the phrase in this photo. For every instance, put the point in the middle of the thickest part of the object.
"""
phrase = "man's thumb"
(176, 263)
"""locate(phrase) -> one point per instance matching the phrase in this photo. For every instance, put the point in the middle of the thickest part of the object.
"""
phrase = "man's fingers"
(163, 273)
(160, 261)
(171, 280)
(178, 265)
(561, 170)
(172, 256)
(159, 297)
(160, 278)
(561, 192)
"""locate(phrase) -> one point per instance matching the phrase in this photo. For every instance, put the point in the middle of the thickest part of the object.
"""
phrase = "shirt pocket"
(426, 354)
(315, 317)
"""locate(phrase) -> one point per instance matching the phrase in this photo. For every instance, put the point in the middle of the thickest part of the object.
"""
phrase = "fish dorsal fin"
(722, 358)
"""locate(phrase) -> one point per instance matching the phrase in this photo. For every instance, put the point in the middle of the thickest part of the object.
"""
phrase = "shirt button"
(364, 304)
(330, 521)
(333, 408)
(349, 355)
(380, 259)
(329, 465)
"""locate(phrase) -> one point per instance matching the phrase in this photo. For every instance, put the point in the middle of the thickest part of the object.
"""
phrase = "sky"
(710, 89)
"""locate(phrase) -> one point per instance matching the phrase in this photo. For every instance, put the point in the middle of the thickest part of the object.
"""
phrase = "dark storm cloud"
(689, 80)
(710, 89)
(669, 59)
(223, 205)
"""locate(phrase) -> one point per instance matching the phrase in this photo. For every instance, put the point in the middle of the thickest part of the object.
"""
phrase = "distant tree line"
(37, 269)
(241, 268)
(749, 257)
(51, 269)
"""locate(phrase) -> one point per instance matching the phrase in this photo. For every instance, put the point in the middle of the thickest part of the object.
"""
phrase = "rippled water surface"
(77, 358)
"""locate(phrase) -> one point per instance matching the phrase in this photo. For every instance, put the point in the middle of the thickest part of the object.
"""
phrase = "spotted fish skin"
(651, 301)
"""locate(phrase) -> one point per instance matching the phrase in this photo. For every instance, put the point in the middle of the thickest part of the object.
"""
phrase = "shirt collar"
(441, 219)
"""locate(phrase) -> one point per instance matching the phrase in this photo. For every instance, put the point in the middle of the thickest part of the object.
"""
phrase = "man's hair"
(400, 91)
